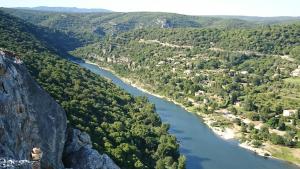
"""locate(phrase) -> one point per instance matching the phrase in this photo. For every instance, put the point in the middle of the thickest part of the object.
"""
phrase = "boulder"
(79, 154)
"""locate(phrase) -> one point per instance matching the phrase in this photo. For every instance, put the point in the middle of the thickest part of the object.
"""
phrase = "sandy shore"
(259, 151)
(224, 133)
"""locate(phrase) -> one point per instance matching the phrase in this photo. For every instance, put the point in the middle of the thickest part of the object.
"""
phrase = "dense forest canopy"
(126, 128)
(248, 66)
(90, 27)
(210, 69)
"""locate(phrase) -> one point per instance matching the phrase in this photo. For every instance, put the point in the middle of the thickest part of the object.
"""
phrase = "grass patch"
(286, 154)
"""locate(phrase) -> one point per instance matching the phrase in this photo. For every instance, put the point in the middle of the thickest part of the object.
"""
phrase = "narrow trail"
(164, 44)
(247, 52)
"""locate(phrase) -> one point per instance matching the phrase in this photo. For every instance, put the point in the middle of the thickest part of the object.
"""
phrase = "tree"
(233, 110)
(264, 132)
(243, 128)
(288, 139)
(238, 121)
(234, 97)
(250, 126)
(273, 122)
(298, 114)
(278, 109)
(276, 139)
(181, 162)
(249, 104)
(256, 80)
(281, 125)
(295, 52)
(256, 143)
(253, 116)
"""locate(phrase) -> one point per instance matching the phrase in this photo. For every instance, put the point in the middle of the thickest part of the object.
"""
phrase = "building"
(244, 72)
(288, 113)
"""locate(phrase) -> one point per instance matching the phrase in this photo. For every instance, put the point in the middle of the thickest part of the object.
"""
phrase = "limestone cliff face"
(78, 153)
(30, 118)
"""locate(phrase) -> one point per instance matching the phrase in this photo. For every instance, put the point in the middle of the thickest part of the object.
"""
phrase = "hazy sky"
(192, 7)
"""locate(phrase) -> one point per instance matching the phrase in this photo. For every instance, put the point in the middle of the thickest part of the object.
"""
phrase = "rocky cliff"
(29, 117)
(78, 153)
(32, 121)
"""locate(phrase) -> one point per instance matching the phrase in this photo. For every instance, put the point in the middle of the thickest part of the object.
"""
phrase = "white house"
(288, 113)
(244, 72)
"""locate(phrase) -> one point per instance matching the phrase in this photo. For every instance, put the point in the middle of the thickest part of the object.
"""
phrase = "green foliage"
(276, 139)
(126, 128)
(210, 69)
(256, 143)
(273, 40)
(91, 26)
(250, 106)
(202, 62)
(295, 52)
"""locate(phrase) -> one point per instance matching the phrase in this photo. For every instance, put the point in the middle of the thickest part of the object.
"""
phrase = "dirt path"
(164, 44)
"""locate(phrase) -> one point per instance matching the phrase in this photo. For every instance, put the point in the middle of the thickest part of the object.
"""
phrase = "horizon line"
(111, 11)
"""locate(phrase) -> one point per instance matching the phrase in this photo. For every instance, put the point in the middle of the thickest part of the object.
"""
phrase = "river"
(202, 148)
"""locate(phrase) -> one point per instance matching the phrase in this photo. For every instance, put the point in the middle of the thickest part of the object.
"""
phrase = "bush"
(238, 121)
(276, 139)
(253, 116)
(256, 143)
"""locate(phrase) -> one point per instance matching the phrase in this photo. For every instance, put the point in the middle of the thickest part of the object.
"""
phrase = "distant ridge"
(259, 18)
(65, 9)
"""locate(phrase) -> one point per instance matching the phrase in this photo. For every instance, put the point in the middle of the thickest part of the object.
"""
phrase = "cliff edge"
(31, 121)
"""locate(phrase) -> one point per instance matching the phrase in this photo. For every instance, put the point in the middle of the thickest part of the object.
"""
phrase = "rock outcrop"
(33, 127)
(29, 117)
(78, 153)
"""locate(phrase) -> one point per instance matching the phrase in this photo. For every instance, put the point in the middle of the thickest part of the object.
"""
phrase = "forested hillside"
(245, 72)
(240, 72)
(90, 27)
(126, 128)
(278, 39)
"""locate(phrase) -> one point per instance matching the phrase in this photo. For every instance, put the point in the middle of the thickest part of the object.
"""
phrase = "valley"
(213, 82)
(126, 128)
(196, 147)
(163, 90)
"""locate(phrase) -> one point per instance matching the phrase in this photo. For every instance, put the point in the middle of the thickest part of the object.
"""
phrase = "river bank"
(226, 133)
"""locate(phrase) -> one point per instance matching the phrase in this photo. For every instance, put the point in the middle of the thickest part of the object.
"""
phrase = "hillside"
(126, 128)
(93, 26)
(90, 27)
(238, 78)
(238, 73)
(34, 130)
(265, 20)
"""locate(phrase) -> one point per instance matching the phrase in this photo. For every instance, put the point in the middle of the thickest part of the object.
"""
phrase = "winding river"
(202, 148)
